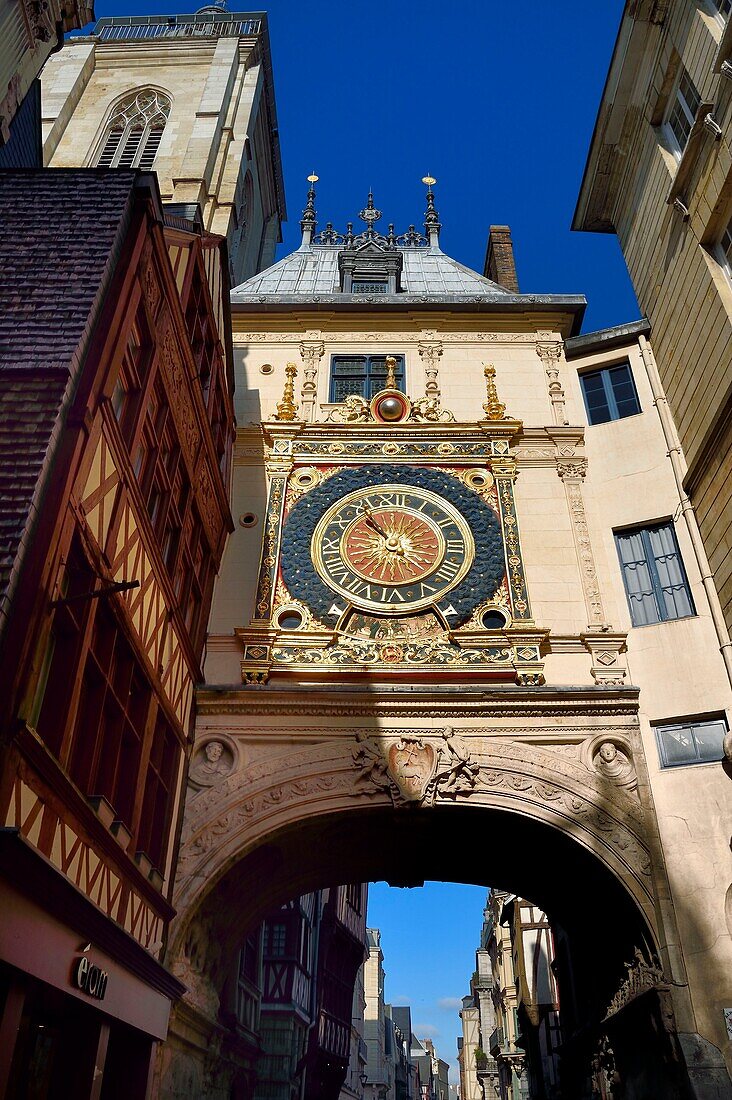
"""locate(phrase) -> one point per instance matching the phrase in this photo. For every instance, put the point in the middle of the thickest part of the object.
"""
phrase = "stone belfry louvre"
(461, 616)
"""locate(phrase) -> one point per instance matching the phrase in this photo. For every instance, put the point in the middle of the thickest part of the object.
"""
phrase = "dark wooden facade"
(116, 428)
(341, 950)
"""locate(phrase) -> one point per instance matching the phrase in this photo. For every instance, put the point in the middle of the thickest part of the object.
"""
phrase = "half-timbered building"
(115, 433)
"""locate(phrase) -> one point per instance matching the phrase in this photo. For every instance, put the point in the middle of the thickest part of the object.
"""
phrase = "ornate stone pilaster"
(312, 352)
(430, 352)
(550, 353)
(572, 474)
(279, 465)
(504, 471)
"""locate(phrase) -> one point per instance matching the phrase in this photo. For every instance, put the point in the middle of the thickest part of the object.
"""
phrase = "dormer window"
(370, 267)
(364, 375)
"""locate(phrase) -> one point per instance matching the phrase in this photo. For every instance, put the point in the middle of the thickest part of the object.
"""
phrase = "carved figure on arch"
(212, 762)
(609, 756)
(373, 775)
(456, 773)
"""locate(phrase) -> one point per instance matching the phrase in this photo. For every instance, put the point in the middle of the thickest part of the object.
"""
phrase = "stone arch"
(246, 818)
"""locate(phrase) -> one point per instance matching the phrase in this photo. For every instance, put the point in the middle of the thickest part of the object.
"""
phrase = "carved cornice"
(418, 701)
(383, 337)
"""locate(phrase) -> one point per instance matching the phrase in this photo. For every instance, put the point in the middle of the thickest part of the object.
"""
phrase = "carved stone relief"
(411, 769)
(213, 760)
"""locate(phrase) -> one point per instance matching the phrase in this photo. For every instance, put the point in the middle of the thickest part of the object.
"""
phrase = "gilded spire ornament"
(493, 408)
(286, 408)
(390, 373)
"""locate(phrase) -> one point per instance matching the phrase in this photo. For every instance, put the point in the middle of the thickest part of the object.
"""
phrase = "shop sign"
(90, 979)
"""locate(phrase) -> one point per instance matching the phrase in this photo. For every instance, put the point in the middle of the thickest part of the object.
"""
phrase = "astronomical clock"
(391, 546)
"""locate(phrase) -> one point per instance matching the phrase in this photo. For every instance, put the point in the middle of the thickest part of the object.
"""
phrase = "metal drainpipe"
(678, 465)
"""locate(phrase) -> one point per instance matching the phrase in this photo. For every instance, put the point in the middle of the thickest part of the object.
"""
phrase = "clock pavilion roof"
(372, 270)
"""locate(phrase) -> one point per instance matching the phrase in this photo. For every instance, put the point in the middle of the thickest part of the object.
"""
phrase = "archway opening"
(601, 927)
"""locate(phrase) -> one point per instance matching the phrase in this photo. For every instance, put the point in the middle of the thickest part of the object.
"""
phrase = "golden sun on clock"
(391, 545)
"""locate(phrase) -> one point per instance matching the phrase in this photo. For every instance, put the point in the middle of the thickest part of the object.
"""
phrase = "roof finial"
(308, 222)
(370, 214)
(431, 217)
(286, 408)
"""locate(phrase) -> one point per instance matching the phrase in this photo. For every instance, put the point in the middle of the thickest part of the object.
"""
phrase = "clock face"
(393, 548)
(389, 540)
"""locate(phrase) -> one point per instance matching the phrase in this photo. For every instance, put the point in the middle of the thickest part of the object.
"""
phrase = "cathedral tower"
(190, 96)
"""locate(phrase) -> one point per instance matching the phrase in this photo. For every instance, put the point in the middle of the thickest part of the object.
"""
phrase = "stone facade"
(667, 196)
(219, 148)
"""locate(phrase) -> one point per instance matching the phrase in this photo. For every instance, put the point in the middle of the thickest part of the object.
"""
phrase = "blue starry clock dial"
(392, 540)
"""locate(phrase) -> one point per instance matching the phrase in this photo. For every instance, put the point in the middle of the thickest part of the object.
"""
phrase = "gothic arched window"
(134, 131)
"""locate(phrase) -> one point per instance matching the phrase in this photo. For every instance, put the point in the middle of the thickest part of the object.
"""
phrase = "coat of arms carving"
(413, 769)
(410, 765)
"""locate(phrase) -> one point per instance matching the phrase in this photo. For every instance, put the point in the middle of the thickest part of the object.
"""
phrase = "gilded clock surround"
(312, 467)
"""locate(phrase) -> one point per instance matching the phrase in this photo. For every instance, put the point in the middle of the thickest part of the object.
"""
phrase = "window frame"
(678, 98)
(130, 110)
(657, 588)
(659, 728)
(604, 372)
(367, 377)
(723, 254)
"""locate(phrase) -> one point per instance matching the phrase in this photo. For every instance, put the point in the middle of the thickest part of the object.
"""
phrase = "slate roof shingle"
(60, 234)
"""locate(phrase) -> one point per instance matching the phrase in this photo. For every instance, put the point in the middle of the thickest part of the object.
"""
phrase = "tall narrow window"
(725, 248)
(682, 112)
(653, 573)
(135, 130)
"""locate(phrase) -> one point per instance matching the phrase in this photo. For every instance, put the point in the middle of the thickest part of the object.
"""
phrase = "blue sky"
(496, 101)
(429, 937)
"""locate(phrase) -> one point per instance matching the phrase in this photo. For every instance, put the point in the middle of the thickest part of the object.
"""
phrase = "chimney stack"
(500, 265)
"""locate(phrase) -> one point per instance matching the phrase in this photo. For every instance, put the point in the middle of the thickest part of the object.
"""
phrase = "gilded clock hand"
(372, 522)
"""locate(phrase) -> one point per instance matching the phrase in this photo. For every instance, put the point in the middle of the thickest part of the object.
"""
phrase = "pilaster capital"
(312, 349)
(572, 471)
(548, 350)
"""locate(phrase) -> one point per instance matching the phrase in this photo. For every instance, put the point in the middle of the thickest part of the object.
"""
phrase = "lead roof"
(429, 277)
